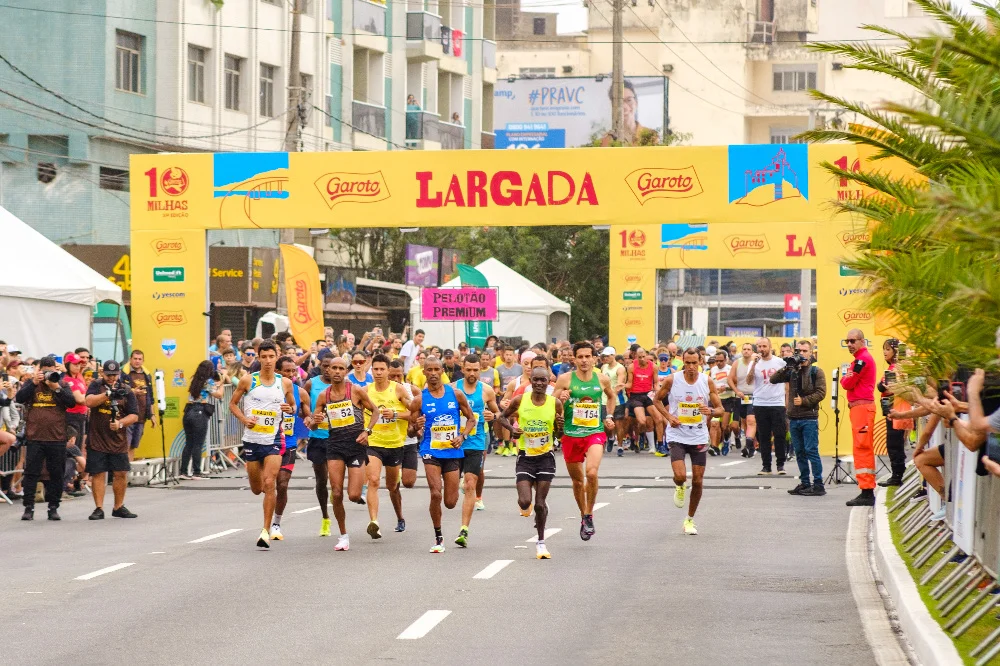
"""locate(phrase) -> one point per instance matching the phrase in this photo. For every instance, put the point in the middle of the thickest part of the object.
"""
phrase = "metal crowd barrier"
(225, 436)
(8, 467)
(971, 591)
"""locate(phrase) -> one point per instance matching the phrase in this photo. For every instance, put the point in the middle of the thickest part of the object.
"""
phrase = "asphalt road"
(764, 582)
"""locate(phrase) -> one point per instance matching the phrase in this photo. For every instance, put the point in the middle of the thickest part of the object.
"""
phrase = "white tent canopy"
(526, 310)
(47, 295)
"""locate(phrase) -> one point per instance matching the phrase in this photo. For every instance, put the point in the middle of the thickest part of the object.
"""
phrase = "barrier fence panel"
(9, 466)
(225, 436)
(970, 527)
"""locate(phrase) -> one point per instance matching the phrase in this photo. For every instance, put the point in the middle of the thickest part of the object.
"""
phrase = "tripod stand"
(167, 476)
(838, 474)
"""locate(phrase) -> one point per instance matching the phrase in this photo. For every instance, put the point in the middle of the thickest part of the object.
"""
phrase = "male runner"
(319, 430)
(265, 397)
(294, 429)
(539, 421)
(343, 403)
(639, 385)
(685, 400)
(741, 382)
(768, 406)
(385, 443)
(441, 408)
(411, 445)
(616, 374)
(719, 427)
(508, 372)
(583, 442)
(483, 402)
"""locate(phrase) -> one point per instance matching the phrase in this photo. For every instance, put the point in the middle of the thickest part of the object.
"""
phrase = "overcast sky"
(573, 16)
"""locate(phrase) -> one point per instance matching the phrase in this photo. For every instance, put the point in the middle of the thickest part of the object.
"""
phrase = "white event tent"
(47, 295)
(526, 310)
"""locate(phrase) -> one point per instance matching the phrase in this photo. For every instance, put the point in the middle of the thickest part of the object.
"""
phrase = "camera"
(795, 360)
(53, 377)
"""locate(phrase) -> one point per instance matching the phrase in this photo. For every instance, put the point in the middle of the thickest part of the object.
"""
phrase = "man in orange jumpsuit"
(859, 382)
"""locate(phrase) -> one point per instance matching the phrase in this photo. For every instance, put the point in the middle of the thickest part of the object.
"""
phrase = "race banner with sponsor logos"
(712, 207)
(304, 295)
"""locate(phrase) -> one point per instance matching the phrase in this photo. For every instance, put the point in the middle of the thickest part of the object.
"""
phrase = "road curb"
(929, 641)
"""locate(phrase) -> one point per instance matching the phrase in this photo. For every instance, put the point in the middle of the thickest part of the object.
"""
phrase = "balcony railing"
(369, 17)
(487, 140)
(423, 26)
(452, 136)
(422, 126)
(369, 118)
(489, 54)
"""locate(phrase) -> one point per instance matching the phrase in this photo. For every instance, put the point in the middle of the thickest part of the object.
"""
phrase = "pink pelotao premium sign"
(459, 304)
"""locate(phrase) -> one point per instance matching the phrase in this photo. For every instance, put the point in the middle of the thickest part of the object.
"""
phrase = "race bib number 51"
(442, 436)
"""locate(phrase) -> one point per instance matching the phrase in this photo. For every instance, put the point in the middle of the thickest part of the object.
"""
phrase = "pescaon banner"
(459, 304)
(571, 112)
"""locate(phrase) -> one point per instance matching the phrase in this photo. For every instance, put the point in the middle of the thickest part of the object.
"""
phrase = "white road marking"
(617, 487)
(32, 592)
(635, 490)
(424, 624)
(493, 569)
(730, 464)
(548, 532)
(158, 552)
(105, 570)
(656, 478)
(217, 535)
(312, 508)
(487, 471)
(601, 505)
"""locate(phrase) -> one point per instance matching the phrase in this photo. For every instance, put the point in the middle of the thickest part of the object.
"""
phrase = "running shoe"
(343, 542)
(373, 530)
(781, 470)
(609, 445)
(661, 451)
(584, 534)
(725, 448)
(588, 522)
(437, 548)
(689, 527)
(679, 492)
(122, 512)
(712, 451)
(400, 525)
(765, 471)
(463, 537)
(276, 533)
(480, 506)
(263, 541)
(527, 512)
(542, 553)
(324, 527)
(621, 452)
(745, 453)
(738, 444)
(938, 515)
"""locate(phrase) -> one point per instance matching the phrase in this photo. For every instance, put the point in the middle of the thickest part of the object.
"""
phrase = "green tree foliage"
(570, 262)
(933, 257)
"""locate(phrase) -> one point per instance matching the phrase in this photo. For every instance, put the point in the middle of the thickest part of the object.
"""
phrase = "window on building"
(197, 56)
(267, 75)
(685, 317)
(537, 72)
(786, 134)
(234, 74)
(538, 26)
(794, 78)
(128, 61)
(114, 179)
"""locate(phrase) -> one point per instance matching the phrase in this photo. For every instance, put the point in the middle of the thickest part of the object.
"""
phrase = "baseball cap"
(448, 353)
(111, 367)
(11, 349)
(72, 358)
(527, 357)
(710, 350)
(323, 353)
(608, 351)
(664, 357)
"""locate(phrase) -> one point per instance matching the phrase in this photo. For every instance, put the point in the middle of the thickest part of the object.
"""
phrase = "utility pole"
(293, 131)
(617, 73)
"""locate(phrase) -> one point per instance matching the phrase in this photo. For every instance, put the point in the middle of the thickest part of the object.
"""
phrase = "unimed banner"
(459, 304)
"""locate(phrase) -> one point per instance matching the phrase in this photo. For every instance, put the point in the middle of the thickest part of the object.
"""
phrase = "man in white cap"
(615, 372)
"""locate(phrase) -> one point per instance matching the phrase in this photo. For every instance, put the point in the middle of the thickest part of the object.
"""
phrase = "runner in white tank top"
(741, 382)
(264, 402)
(688, 400)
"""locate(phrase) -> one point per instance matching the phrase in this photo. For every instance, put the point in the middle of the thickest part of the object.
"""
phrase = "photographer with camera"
(113, 408)
(46, 399)
(806, 390)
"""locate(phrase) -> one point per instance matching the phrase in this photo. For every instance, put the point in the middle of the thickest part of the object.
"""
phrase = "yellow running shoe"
(542, 553)
(527, 512)
(689, 527)
(263, 541)
(324, 527)
(679, 496)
